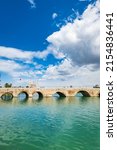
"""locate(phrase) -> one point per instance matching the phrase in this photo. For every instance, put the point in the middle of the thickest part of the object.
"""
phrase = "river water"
(72, 123)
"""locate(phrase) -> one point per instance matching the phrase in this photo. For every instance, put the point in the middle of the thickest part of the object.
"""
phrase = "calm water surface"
(50, 124)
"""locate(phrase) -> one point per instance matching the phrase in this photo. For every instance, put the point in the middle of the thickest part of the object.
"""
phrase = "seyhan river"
(72, 123)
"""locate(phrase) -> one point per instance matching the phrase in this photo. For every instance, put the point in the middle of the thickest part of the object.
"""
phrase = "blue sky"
(49, 42)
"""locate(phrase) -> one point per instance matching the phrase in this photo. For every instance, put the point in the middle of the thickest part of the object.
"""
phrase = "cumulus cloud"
(79, 40)
(65, 68)
(32, 2)
(19, 73)
(76, 42)
(54, 15)
(66, 74)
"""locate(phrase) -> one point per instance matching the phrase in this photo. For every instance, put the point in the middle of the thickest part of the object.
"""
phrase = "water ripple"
(70, 124)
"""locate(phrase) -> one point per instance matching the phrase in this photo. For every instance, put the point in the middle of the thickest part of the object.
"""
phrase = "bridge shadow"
(58, 96)
(7, 97)
(37, 96)
(22, 97)
(82, 94)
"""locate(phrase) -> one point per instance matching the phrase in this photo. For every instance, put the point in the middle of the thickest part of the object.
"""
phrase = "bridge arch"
(59, 94)
(83, 93)
(37, 95)
(7, 96)
(23, 96)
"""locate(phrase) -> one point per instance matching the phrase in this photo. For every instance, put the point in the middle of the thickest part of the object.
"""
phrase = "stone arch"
(61, 94)
(40, 95)
(23, 92)
(84, 93)
(7, 96)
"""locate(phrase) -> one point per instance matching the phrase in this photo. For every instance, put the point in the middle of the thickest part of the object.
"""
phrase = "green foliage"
(8, 85)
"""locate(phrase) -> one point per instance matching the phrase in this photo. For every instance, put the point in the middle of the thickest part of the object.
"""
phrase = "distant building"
(96, 86)
(32, 85)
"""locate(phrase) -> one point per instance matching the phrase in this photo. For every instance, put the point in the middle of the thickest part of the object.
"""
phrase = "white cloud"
(23, 55)
(13, 53)
(32, 2)
(65, 74)
(54, 15)
(10, 67)
(77, 43)
(60, 70)
(19, 74)
(79, 40)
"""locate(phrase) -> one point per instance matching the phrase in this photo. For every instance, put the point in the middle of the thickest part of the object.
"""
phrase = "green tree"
(8, 85)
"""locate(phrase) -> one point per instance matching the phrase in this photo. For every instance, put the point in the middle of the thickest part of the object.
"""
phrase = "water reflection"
(71, 123)
(22, 97)
(7, 97)
(37, 96)
(51, 100)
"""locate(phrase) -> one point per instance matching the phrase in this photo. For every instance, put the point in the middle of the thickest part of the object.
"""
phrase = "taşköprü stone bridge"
(62, 92)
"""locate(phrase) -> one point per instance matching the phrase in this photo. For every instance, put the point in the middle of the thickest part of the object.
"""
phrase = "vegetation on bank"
(8, 85)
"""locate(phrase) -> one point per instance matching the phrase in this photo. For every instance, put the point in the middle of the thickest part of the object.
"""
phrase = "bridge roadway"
(49, 92)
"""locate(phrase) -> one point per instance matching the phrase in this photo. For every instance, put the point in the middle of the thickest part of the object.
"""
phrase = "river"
(72, 123)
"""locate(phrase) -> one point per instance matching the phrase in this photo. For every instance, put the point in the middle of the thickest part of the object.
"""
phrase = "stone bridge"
(50, 92)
